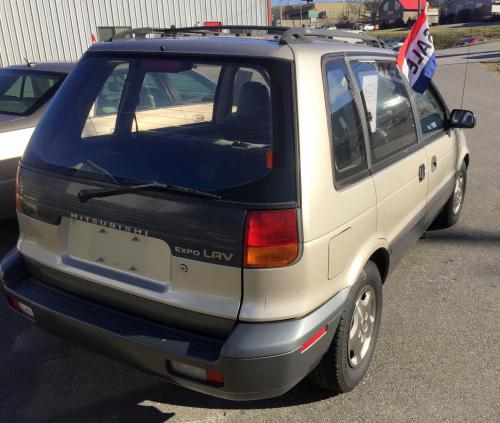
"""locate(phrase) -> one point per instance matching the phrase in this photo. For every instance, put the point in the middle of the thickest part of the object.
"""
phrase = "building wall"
(454, 6)
(329, 12)
(61, 30)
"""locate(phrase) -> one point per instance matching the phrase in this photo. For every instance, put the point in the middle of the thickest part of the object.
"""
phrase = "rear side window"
(21, 92)
(346, 130)
(173, 121)
(388, 109)
(430, 111)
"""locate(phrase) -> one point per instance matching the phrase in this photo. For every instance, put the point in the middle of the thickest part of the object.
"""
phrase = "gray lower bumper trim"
(258, 360)
(249, 340)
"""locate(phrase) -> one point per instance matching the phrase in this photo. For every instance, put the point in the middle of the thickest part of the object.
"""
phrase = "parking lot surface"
(437, 356)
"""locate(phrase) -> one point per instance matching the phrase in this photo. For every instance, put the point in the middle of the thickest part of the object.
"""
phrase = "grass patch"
(492, 66)
(445, 36)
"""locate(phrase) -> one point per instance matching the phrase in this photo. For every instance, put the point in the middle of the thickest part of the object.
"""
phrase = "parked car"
(489, 18)
(238, 254)
(368, 27)
(395, 44)
(330, 27)
(469, 41)
(25, 91)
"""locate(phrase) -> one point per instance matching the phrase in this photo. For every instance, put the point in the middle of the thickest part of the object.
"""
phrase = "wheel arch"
(381, 259)
(466, 160)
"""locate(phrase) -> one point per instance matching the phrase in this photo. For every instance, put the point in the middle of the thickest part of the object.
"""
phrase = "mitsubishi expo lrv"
(223, 210)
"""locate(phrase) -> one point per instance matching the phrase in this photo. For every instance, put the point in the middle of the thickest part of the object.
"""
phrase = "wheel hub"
(362, 325)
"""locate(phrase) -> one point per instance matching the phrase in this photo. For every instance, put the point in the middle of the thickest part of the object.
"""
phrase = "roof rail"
(285, 35)
(293, 35)
(199, 30)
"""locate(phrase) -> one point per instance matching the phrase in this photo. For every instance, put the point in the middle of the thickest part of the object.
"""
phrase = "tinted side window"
(346, 130)
(388, 109)
(430, 111)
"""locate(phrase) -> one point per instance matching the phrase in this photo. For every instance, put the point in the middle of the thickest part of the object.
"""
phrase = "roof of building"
(412, 4)
(57, 67)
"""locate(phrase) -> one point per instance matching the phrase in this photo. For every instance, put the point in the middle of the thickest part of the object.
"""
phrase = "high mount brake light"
(271, 238)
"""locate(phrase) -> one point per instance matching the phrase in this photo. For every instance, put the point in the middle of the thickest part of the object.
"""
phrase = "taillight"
(271, 238)
(18, 198)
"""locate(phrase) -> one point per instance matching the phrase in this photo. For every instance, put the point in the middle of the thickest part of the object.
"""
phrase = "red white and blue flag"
(416, 58)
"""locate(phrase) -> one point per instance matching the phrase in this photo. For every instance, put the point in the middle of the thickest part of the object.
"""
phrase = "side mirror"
(462, 119)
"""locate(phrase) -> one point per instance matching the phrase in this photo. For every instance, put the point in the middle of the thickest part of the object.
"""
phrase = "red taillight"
(18, 198)
(271, 238)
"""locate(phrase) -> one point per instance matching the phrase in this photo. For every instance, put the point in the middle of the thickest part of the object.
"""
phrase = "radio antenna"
(465, 77)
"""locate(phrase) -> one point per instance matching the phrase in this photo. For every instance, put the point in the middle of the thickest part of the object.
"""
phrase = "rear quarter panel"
(339, 226)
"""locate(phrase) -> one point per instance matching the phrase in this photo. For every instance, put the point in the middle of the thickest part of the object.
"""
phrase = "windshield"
(22, 91)
(218, 126)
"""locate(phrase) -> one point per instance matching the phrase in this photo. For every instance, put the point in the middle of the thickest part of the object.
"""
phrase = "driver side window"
(430, 111)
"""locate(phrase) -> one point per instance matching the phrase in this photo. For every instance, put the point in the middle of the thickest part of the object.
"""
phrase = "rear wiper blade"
(86, 194)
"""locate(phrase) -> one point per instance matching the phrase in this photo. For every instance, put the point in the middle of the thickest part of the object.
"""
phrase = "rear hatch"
(135, 187)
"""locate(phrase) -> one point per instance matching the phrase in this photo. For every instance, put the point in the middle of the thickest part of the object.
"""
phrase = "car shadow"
(140, 405)
(460, 235)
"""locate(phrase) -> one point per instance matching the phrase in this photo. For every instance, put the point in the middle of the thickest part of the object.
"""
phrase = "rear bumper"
(258, 360)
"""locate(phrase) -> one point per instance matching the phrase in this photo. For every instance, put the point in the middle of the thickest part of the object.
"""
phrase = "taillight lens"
(271, 238)
(18, 198)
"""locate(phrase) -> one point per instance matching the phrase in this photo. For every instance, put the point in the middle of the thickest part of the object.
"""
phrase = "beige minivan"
(223, 209)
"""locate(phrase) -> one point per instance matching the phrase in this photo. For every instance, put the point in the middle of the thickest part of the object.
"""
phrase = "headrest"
(254, 101)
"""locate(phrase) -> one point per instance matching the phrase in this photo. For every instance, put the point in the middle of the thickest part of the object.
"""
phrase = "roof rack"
(285, 35)
(173, 31)
(293, 35)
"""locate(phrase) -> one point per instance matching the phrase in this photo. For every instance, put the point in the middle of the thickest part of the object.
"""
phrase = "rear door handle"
(434, 163)
(421, 173)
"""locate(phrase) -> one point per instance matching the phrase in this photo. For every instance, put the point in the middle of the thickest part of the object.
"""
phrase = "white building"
(61, 30)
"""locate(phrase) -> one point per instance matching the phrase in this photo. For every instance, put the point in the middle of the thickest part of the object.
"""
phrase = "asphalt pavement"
(438, 353)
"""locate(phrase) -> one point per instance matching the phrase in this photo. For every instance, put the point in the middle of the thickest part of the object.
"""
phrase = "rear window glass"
(22, 91)
(218, 126)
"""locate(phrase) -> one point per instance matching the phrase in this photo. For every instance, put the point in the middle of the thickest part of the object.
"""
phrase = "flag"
(416, 58)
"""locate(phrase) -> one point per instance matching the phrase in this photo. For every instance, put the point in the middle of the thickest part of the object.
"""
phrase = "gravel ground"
(437, 357)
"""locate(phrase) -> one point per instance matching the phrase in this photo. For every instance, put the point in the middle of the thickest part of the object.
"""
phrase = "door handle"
(421, 173)
(434, 163)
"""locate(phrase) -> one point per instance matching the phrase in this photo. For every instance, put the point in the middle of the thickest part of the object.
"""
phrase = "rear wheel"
(450, 213)
(348, 358)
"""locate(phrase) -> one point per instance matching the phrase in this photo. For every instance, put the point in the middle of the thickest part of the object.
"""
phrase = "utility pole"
(300, 2)
(419, 8)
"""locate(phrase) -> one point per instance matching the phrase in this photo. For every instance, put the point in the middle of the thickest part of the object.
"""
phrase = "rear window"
(220, 126)
(21, 92)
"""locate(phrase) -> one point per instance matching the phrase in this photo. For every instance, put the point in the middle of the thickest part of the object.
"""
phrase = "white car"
(25, 91)
(330, 27)
(368, 27)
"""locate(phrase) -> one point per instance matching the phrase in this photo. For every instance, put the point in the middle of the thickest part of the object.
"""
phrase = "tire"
(339, 371)
(451, 211)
